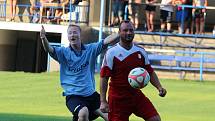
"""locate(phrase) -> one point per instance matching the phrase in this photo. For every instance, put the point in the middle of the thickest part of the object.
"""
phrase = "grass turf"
(37, 97)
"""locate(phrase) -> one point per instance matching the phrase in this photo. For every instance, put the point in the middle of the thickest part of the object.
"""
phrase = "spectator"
(117, 12)
(42, 9)
(189, 20)
(47, 10)
(51, 11)
(181, 15)
(83, 10)
(166, 12)
(13, 4)
(124, 15)
(200, 15)
(135, 7)
(59, 10)
(34, 12)
(150, 13)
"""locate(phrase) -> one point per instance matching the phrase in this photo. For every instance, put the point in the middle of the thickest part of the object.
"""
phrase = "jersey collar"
(78, 53)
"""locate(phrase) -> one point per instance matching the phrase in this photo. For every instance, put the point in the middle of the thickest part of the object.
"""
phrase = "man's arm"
(45, 42)
(103, 91)
(103, 115)
(156, 83)
(111, 39)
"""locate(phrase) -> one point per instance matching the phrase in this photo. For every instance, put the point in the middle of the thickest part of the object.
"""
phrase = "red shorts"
(122, 108)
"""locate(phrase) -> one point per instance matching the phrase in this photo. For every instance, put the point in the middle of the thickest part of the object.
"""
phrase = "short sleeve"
(57, 54)
(147, 64)
(149, 69)
(107, 65)
(98, 47)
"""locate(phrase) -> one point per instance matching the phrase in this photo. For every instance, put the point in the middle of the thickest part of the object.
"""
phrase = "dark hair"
(124, 21)
(73, 25)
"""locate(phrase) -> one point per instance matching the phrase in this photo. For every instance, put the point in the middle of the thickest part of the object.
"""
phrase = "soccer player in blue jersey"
(77, 65)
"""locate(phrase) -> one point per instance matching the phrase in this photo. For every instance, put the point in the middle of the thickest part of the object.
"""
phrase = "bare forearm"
(111, 39)
(155, 81)
(45, 41)
(103, 115)
(46, 45)
(103, 88)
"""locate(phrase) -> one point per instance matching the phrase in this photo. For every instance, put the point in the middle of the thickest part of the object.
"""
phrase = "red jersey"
(117, 64)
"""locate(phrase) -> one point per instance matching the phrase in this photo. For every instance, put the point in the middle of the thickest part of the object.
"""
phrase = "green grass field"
(37, 97)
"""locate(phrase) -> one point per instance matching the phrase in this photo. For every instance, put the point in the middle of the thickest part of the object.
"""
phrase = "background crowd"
(187, 17)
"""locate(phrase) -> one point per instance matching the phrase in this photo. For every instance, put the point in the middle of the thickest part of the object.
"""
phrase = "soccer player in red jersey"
(119, 60)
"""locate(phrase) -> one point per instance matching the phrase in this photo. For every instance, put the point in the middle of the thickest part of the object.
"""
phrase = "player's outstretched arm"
(45, 41)
(103, 91)
(156, 83)
(111, 39)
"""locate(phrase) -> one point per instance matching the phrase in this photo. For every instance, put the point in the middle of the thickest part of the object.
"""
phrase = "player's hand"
(104, 107)
(162, 92)
(42, 33)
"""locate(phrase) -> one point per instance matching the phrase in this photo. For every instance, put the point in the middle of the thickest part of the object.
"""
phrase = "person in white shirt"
(166, 12)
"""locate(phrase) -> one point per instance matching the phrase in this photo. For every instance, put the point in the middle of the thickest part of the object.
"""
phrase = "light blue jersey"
(77, 69)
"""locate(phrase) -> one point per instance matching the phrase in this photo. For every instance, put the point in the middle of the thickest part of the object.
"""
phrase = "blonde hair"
(73, 25)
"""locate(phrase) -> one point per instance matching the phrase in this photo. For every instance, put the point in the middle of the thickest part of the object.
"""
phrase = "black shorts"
(150, 8)
(165, 16)
(199, 13)
(75, 103)
(136, 9)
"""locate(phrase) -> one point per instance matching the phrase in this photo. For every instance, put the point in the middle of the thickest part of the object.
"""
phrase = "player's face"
(74, 34)
(126, 32)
